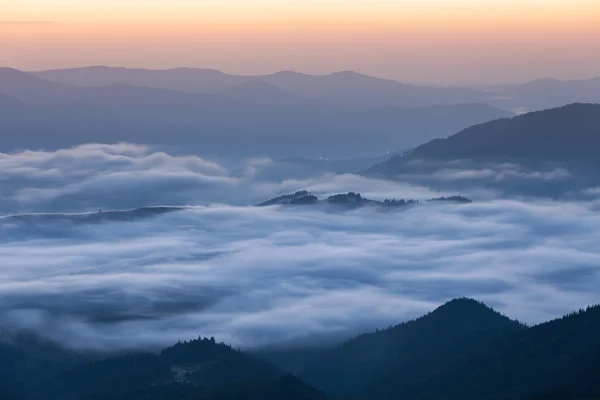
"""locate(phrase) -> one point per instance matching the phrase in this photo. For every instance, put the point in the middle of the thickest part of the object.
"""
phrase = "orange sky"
(436, 41)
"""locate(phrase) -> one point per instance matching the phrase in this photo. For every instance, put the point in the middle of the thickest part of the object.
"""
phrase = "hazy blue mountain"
(569, 134)
(344, 88)
(259, 119)
(61, 125)
(455, 327)
(192, 80)
(8, 103)
(259, 92)
(31, 89)
(347, 88)
(547, 93)
(358, 90)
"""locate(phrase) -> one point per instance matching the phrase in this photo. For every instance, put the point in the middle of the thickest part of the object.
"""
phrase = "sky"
(421, 41)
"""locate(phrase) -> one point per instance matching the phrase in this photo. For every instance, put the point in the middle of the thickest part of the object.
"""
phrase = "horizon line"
(283, 71)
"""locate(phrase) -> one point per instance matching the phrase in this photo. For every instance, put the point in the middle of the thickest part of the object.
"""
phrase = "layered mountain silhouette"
(569, 135)
(455, 327)
(547, 93)
(346, 87)
(461, 350)
(559, 356)
(260, 118)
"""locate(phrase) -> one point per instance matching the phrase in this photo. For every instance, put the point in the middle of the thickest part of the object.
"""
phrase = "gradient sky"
(432, 41)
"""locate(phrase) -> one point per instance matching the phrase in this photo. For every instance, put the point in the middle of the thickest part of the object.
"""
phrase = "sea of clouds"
(254, 276)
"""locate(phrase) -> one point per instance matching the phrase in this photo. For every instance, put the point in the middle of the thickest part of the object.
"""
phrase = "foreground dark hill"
(455, 327)
(569, 134)
(562, 355)
(200, 369)
(462, 350)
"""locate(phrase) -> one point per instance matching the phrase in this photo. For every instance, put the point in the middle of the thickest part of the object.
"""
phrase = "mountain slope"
(547, 93)
(453, 328)
(32, 89)
(568, 134)
(180, 370)
(561, 355)
(259, 92)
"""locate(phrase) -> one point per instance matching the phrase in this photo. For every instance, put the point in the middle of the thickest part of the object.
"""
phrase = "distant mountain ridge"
(345, 87)
(337, 87)
(252, 119)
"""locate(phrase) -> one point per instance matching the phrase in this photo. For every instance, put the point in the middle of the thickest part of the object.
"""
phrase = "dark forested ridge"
(561, 355)
(569, 134)
(462, 350)
(454, 327)
(197, 369)
(352, 200)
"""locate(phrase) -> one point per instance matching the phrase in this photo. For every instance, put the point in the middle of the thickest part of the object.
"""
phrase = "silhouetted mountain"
(461, 350)
(570, 134)
(562, 355)
(193, 80)
(547, 93)
(453, 328)
(259, 92)
(199, 368)
(347, 87)
(259, 119)
(29, 88)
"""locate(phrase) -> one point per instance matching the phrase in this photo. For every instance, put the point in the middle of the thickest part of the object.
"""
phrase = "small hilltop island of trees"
(353, 199)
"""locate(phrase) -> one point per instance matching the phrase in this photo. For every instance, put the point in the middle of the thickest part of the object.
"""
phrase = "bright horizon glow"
(434, 41)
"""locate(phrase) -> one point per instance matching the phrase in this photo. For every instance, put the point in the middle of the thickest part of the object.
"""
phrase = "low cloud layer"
(256, 276)
(95, 176)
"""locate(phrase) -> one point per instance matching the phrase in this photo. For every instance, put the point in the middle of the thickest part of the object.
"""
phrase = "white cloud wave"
(253, 276)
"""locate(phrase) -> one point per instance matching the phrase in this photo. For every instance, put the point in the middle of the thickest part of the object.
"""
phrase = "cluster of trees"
(454, 199)
(401, 202)
(352, 199)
